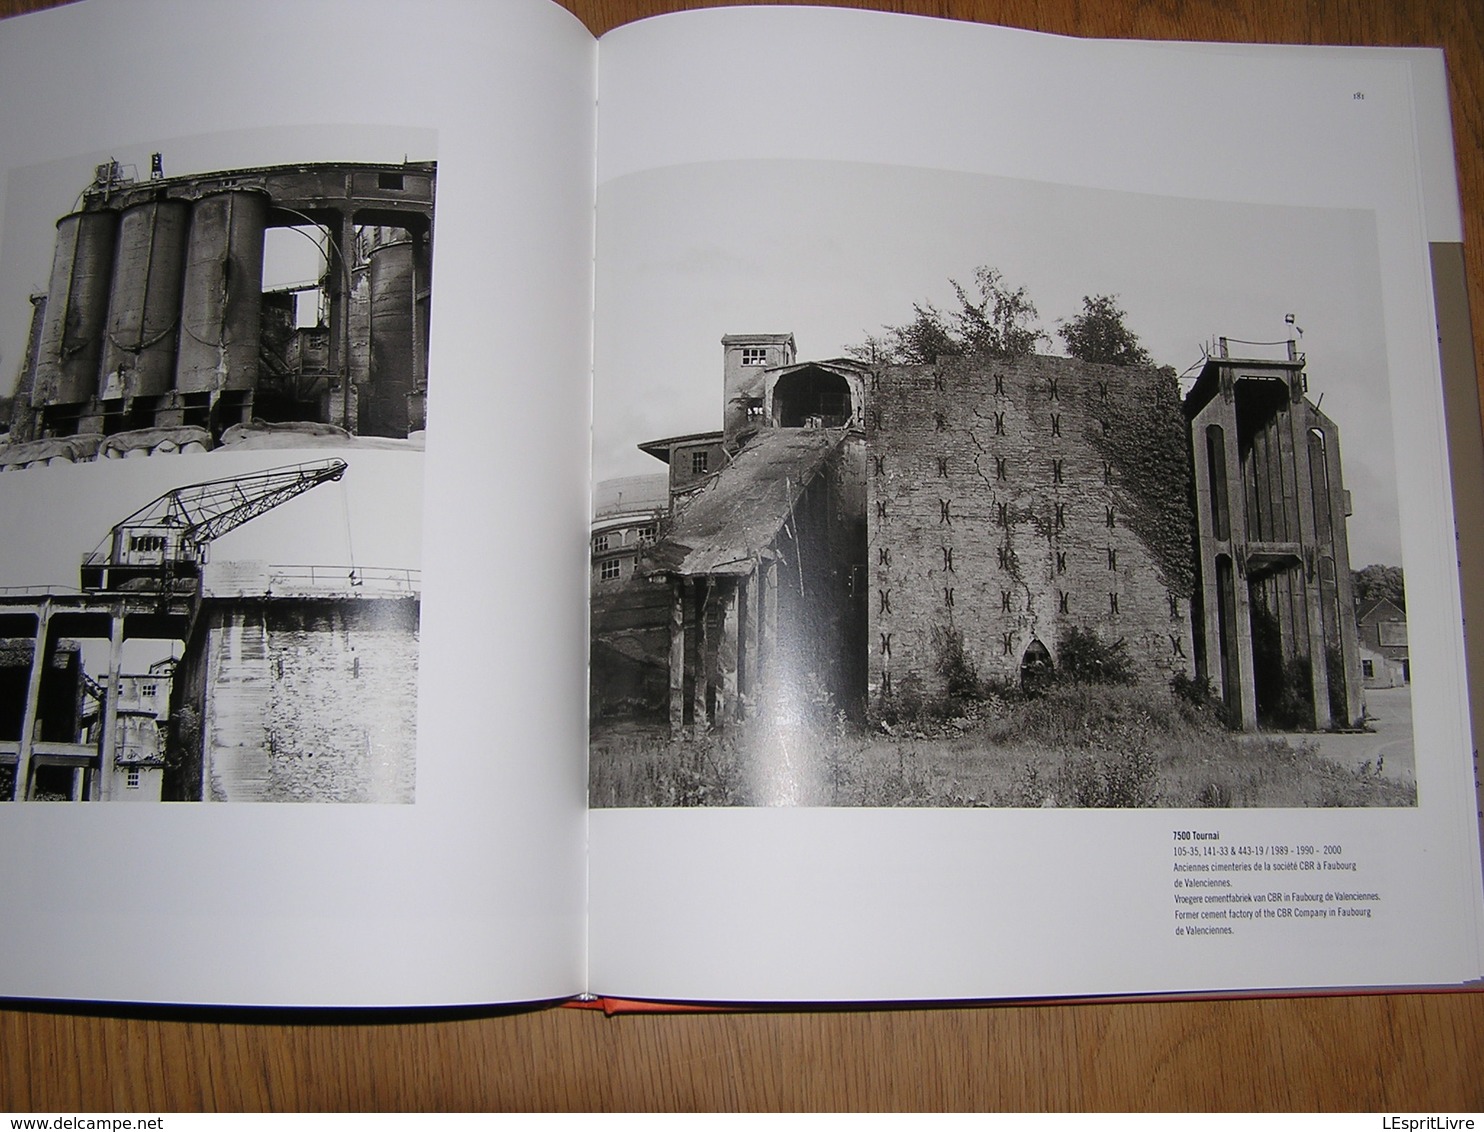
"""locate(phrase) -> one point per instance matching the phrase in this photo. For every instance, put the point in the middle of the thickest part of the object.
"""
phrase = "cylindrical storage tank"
(222, 296)
(76, 309)
(394, 282)
(144, 308)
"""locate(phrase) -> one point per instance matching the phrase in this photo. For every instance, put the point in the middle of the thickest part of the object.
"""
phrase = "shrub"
(960, 674)
(1082, 658)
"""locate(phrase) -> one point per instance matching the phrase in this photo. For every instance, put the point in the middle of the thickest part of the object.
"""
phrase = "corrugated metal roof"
(726, 527)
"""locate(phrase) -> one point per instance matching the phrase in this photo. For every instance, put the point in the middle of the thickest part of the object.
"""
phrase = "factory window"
(1368, 669)
(698, 462)
(754, 356)
(648, 534)
(149, 691)
(600, 544)
(610, 570)
(133, 778)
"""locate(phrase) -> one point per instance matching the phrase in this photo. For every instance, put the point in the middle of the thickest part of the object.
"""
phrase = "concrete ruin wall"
(1006, 503)
(299, 700)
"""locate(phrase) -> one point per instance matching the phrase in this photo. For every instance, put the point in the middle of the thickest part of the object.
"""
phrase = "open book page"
(286, 323)
(1045, 427)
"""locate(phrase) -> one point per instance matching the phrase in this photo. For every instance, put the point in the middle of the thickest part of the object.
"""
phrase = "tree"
(1377, 581)
(1002, 323)
(994, 320)
(1099, 334)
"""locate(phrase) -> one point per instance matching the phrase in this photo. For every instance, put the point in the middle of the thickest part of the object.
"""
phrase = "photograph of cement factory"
(282, 306)
(248, 637)
(233, 617)
(975, 558)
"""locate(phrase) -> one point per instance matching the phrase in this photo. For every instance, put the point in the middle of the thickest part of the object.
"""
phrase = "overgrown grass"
(1103, 746)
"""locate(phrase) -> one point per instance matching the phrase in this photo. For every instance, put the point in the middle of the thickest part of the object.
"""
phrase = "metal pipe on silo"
(76, 309)
(393, 333)
(144, 309)
(222, 296)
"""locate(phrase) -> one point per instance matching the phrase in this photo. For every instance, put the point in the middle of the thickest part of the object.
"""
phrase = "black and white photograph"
(233, 627)
(213, 401)
(182, 300)
(921, 488)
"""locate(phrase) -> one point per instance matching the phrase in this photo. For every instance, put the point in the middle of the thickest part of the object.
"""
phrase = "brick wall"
(1005, 502)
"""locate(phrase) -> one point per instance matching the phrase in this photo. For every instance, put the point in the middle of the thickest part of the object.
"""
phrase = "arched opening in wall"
(1036, 667)
(811, 398)
(294, 355)
(1216, 475)
(1227, 665)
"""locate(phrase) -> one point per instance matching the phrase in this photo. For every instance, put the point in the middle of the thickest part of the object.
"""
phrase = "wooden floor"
(1373, 1052)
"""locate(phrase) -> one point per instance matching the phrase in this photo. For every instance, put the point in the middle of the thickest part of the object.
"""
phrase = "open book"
(1009, 477)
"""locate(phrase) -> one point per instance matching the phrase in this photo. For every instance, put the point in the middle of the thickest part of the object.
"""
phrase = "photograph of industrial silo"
(205, 295)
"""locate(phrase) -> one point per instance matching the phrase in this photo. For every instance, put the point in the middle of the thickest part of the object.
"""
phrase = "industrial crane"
(166, 540)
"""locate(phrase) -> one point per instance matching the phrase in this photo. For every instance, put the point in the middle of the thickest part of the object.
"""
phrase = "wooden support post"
(678, 589)
(108, 747)
(769, 628)
(726, 655)
(30, 718)
(703, 664)
(751, 609)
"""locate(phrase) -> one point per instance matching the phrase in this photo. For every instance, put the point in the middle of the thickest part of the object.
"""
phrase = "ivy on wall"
(1147, 443)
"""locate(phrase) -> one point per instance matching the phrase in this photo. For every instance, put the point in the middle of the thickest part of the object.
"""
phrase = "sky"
(371, 517)
(832, 251)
